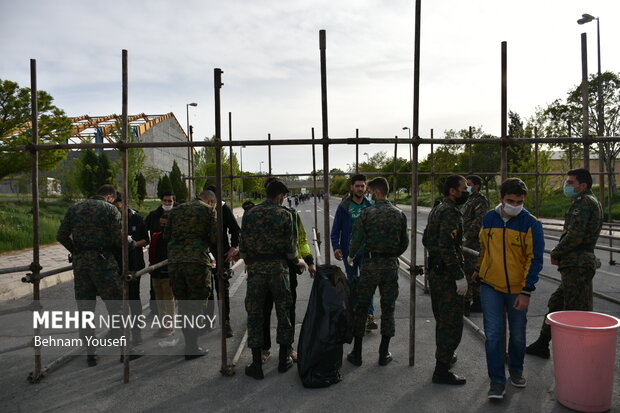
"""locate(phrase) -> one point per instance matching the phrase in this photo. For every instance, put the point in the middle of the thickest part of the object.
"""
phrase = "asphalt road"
(169, 383)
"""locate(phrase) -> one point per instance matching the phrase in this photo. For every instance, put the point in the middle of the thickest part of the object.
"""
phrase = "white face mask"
(513, 211)
(166, 207)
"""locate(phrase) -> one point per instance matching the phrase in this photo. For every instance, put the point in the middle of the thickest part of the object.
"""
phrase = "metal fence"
(325, 142)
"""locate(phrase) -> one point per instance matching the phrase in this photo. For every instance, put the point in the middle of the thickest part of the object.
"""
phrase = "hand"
(312, 270)
(231, 254)
(461, 286)
(475, 277)
(338, 254)
(130, 241)
(522, 302)
(350, 261)
(555, 261)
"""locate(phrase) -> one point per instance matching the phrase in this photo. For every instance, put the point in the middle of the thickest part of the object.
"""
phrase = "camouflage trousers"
(373, 274)
(264, 278)
(573, 293)
(88, 283)
(191, 285)
(448, 311)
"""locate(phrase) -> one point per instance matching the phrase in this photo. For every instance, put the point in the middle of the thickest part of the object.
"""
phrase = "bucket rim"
(549, 320)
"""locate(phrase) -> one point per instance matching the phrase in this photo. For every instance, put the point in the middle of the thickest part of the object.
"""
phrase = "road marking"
(233, 288)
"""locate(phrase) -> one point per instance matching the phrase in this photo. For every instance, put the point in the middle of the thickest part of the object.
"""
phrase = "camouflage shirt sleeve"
(358, 237)
(404, 235)
(576, 224)
(449, 240)
(63, 235)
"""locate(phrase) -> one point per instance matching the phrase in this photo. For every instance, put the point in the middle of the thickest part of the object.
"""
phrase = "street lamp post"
(367, 157)
(600, 126)
(241, 167)
(260, 167)
(190, 154)
(410, 146)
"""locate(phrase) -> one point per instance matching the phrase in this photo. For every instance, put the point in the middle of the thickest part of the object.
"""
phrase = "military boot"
(443, 375)
(476, 305)
(539, 348)
(256, 368)
(192, 350)
(355, 356)
(384, 354)
(286, 362)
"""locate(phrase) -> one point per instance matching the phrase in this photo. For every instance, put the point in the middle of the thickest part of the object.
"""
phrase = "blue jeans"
(352, 274)
(494, 305)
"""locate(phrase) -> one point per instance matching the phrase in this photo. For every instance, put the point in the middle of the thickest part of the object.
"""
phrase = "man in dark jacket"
(346, 214)
(229, 227)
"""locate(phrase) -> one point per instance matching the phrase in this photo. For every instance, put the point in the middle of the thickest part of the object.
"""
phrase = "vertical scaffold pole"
(394, 180)
(585, 96)
(504, 112)
(125, 190)
(35, 267)
(327, 246)
(232, 180)
(357, 151)
(414, 184)
(269, 151)
(217, 82)
(316, 220)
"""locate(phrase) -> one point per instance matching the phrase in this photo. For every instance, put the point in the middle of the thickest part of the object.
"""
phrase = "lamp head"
(585, 18)
(405, 127)
(193, 104)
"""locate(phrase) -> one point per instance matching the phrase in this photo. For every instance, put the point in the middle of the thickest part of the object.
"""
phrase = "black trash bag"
(326, 327)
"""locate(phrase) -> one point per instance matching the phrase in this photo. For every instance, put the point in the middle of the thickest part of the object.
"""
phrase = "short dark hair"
(107, 189)
(357, 177)
(513, 186)
(452, 182)
(167, 193)
(583, 176)
(275, 188)
(475, 179)
(380, 184)
(269, 180)
(211, 188)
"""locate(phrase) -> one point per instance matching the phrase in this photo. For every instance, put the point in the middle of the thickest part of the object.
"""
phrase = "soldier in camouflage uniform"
(91, 231)
(443, 238)
(267, 245)
(473, 211)
(382, 231)
(191, 229)
(574, 254)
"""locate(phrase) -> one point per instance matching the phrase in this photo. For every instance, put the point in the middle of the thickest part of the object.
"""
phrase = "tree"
(565, 117)
(163, 185)
(178, 186)
(15, 129)
(485, 158)
(140, 188)
(135, 157)
(95, 171)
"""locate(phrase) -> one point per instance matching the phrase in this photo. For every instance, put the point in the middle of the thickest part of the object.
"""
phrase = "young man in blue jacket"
(511, 256)
(346, 214)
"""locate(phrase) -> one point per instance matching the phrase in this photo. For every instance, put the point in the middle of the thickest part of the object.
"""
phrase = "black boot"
(355, 356)
(91, 360)
(443, 375)
(192, 350)
(228, 329)
(286, 362)
(256, 368)
(384, 354)
(539, 348)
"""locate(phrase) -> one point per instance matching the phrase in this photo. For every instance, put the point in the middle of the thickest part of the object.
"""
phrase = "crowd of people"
(496, 272)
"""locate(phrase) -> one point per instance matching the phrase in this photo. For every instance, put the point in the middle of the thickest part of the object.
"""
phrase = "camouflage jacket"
(473, 211)
(582, 226)
(381, 228)
(443, 237)
(190, 230)
(267, 232)
(91, 231)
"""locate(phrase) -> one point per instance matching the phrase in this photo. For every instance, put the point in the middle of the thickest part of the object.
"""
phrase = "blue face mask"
(469, 189)
(569, 191)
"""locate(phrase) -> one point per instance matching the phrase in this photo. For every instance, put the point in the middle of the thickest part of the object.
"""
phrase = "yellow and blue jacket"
(511, 252)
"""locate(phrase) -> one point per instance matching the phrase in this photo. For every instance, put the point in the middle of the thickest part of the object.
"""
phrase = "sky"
(269, 52)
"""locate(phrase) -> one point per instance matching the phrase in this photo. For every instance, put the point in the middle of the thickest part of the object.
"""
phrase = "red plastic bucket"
(584, 357)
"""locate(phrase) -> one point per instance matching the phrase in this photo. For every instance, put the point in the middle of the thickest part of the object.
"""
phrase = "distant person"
(138, 239)
(474, 210)
(164, 295)
(153, 225)
(443, 238)
(574, 254)
(381, 230)
(91, 232)
(511, 257)
(347, 213)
